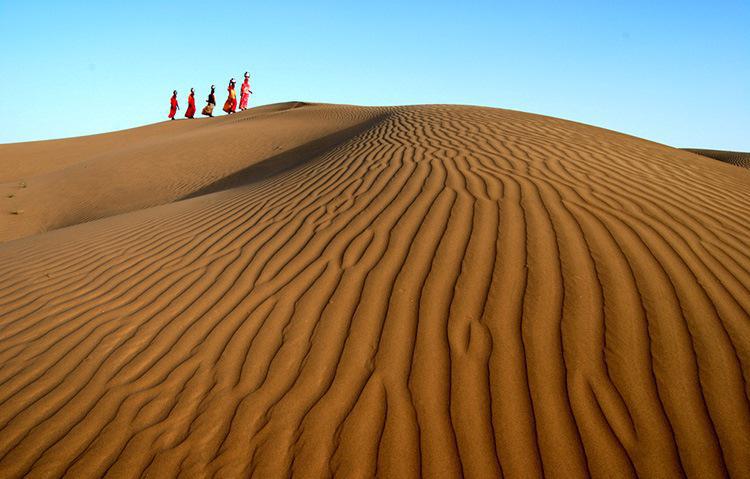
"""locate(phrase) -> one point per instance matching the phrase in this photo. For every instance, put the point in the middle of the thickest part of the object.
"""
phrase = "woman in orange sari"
(230, 106)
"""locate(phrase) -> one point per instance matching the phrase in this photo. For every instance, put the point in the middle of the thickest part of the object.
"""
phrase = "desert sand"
(324, 290)
(734, 157)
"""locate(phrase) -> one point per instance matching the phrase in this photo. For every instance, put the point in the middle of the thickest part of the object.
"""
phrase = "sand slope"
(436, 291)
(733, 157)
(65, 182)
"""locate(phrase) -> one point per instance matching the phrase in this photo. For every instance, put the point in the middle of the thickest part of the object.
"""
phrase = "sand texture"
(322, 290)
(733, 157)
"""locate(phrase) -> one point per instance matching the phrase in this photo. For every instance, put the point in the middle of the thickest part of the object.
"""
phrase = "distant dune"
(317, 290)
(733, 157)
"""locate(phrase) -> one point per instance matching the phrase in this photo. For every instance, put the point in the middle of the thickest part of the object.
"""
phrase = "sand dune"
(62, 180)
(733, 157)
(318, 290)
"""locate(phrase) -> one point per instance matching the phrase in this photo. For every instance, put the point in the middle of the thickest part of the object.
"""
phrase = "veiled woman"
(208, 110)
(230, 106)
(245, 92)
(173, 105)
(190, 112)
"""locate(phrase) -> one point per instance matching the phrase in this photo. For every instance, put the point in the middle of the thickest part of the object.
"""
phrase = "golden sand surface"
(327, 290)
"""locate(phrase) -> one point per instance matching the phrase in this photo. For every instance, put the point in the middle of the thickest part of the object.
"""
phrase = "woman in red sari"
(230, 106)
(190, 112)
(173, 105)
(245, 92)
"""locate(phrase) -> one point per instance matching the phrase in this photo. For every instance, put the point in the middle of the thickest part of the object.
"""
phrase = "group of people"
(230, 106)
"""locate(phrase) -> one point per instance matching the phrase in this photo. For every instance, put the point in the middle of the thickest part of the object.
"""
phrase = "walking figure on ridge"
(208, 110)
(173, 105)
(245, 92)
(190, 112)
(230, 106)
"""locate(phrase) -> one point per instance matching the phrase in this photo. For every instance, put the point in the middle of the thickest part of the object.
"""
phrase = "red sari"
(173, 107)
(230, 106)
(190, 112)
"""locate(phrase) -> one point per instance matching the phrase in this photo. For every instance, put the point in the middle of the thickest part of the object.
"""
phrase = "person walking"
(173, 105)
(190, 112)
(245, 92)
(230, 106)
(208, 110)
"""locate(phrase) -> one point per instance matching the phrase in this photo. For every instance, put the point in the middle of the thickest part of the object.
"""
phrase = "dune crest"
(322, 290)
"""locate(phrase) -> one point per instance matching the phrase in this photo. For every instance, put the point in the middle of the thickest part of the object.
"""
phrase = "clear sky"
(677, 72)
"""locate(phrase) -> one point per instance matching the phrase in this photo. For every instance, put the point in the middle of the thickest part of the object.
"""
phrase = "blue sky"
(677, 72)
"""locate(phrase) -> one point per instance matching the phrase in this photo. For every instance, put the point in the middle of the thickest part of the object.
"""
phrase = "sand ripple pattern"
(732, 157)
(451, 292)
